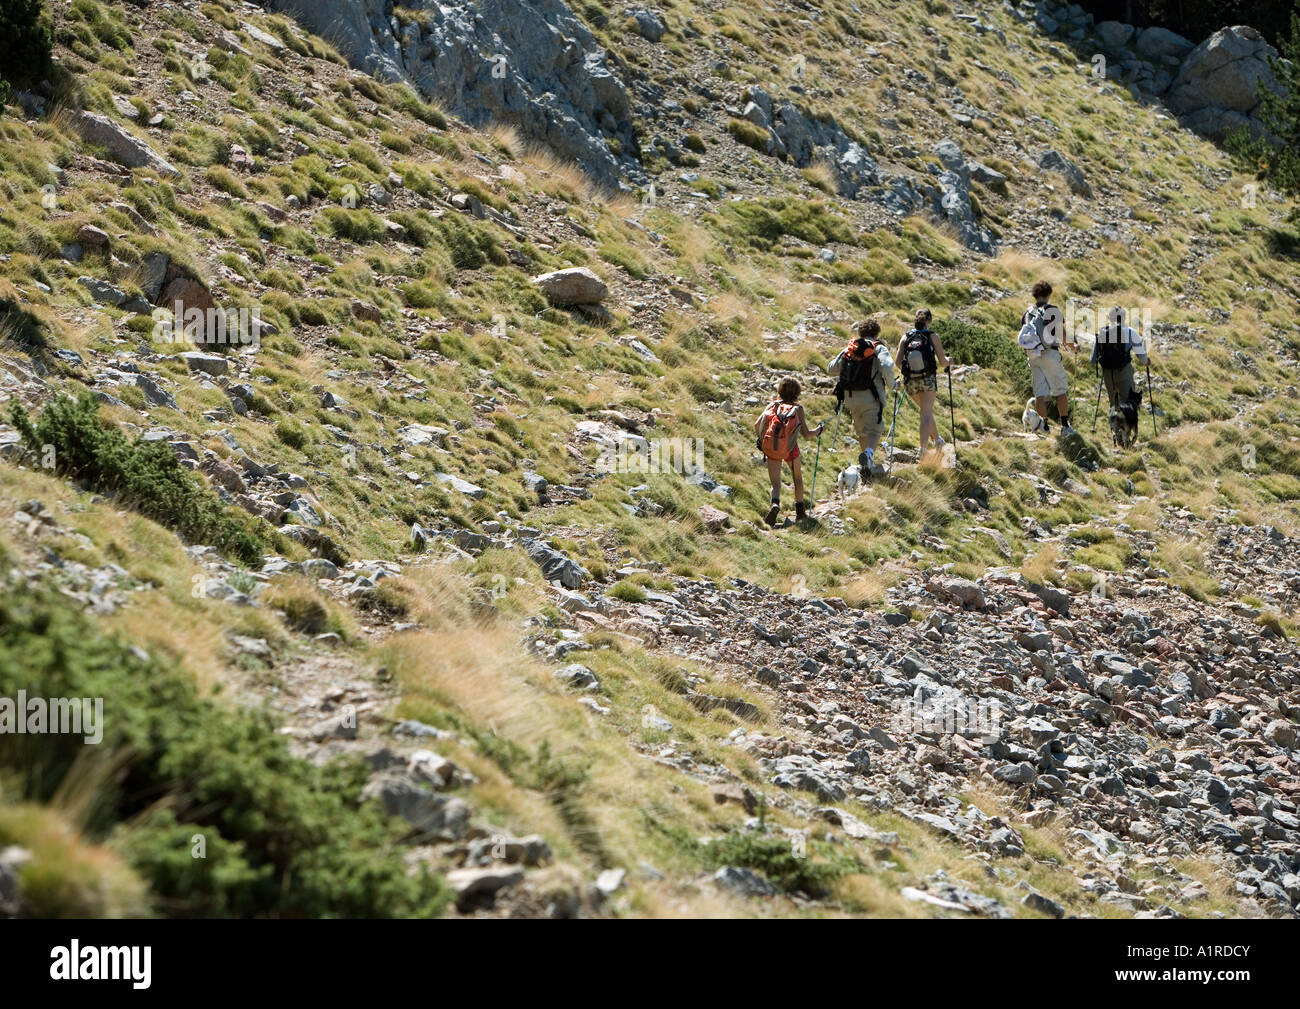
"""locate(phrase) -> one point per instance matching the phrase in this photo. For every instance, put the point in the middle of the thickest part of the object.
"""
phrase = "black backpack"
(858, 373)
(918, 354)
(1112, 351)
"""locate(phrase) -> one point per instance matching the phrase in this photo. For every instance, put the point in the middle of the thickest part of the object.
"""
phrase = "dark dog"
(1124, 420)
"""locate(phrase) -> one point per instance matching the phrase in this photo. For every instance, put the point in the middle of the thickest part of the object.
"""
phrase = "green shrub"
(469, 245)
(142, 475)
(21, 327)
(25, 42)
(628, 591)
(354, 225)
(775, 859)
(291, 433)
(764, 223)
(304, 614)
(969, 344)
(283, 838)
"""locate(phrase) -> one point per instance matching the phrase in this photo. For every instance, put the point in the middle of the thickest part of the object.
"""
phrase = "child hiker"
(778, 429)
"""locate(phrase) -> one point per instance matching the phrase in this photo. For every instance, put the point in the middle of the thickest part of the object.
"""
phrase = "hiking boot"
(772, 513)
(1066, 430)
(800, 511)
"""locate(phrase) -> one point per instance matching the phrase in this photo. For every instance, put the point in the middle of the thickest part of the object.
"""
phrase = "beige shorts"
(1047, 371)
(868, 416)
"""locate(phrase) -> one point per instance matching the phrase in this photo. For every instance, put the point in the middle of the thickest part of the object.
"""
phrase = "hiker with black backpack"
(865, 372)
(1112, 355)
(1042, 334)
(778, 428)
(920, 354)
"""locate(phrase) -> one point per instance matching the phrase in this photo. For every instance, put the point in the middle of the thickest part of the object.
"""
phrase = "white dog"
(1033, 423)
(849, 480)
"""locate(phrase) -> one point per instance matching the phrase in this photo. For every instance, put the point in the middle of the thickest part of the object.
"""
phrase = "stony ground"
(1136, 738)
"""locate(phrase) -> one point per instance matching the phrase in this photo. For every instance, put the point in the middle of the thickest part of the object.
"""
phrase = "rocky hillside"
(378, 385)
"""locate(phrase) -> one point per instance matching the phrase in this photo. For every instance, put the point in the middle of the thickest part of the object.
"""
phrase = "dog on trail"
(1124, 420)
(1033, 423)
(849, 480)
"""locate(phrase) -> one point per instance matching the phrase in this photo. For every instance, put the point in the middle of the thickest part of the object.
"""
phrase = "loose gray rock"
(573, 286)
(123, 146)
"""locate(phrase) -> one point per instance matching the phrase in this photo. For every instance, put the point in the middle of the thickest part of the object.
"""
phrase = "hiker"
(1112, 354)
(865, 372)
(920, 353)
(1042, 334)
(778, 429)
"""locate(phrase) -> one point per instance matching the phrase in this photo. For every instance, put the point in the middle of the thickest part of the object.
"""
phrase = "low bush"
(283, 838)
(145, 476)
(970, 344)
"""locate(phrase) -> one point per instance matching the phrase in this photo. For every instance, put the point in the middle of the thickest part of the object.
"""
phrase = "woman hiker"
(920, 354)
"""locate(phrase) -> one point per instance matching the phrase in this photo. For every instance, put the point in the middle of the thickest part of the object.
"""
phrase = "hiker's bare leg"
(1063, 407)
(928, 428)
(774, 474)
(796, 468)
(1040, 405)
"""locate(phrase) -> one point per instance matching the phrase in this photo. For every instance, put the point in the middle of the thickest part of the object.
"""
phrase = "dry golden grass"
(1013, 269)
(869, 587)
(822, 176)
(1044, 565)
(506, 137)
(68, 876)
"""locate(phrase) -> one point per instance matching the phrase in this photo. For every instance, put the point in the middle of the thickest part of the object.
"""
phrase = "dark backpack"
(859, 366)
(918, 354)
(1112, 350)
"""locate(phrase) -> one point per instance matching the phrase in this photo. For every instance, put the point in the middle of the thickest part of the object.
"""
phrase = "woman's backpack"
(918, 354)
(779, 434)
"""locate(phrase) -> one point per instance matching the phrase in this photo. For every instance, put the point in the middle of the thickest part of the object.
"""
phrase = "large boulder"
(1053, 161)
(1161, 43)
(1225, 72)
(529, 63)
(1114, 34)
(574, 286)
(123, 146)
(555, 566)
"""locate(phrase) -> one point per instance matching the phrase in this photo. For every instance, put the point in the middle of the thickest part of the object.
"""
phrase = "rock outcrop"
(532, 65)
(1218, 86)
(1213, 87)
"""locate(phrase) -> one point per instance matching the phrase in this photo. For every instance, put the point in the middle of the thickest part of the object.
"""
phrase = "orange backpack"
(782, 426)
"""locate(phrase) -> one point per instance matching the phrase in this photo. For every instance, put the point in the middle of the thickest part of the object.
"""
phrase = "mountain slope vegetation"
(379, 628)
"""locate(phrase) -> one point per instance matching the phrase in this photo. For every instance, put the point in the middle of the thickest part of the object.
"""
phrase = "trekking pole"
(893, 420)
(812, 494)
(952, 413)
(835, 436)
(1097, 408)
(1151, 400)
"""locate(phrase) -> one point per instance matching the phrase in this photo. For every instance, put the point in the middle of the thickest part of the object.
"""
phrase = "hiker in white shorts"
(1042, 334)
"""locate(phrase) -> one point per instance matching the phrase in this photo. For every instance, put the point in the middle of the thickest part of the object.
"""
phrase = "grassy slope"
(513, 402)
